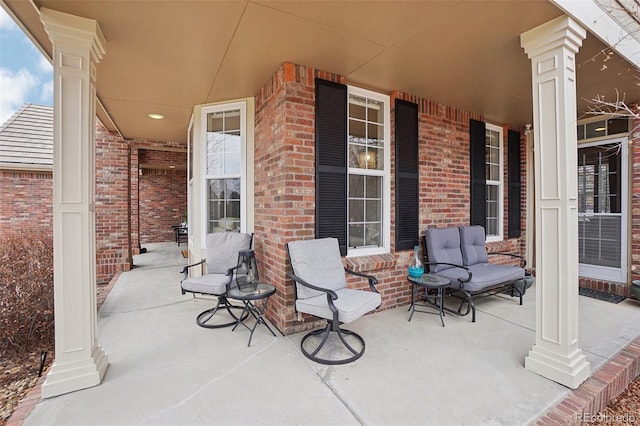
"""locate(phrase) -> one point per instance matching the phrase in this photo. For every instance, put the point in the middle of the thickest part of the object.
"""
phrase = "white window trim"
(606, 273)
(386, 174)
(499, 184)
(242, 106)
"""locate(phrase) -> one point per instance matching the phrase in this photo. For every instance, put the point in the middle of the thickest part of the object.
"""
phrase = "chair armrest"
(331, 295)
(299, 280)
(185, 270)
(372, 280)
(469, 273)
(523, 261)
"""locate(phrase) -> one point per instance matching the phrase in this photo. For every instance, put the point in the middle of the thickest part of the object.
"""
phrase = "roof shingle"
(26, 138)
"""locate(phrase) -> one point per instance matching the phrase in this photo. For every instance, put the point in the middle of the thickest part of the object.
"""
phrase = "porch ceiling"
(167, 56)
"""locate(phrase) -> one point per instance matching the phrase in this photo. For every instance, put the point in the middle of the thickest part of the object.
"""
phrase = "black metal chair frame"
(333, 325)
(223, 302)
(468, 297)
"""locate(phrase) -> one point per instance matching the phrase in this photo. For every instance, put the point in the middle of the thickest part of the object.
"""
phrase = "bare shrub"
(26, 290)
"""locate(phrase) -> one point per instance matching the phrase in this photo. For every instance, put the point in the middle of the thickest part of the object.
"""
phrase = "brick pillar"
(284, 179)
(134, 201)
(113, 236)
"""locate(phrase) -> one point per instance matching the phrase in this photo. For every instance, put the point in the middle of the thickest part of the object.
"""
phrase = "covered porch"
(533, 82)
(164, 369)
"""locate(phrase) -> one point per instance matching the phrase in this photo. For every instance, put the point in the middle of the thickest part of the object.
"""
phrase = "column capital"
(561, 32)
(64, 27)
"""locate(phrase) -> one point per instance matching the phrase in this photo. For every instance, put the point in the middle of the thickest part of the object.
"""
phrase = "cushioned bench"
(460, 254)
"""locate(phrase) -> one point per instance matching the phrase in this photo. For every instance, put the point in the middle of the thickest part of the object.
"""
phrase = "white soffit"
(597, 16)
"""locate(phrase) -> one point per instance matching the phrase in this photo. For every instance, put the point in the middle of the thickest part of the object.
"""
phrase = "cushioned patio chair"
(321, 290)
(217, 275)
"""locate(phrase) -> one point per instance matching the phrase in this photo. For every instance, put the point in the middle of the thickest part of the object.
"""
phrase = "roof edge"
(590, 15)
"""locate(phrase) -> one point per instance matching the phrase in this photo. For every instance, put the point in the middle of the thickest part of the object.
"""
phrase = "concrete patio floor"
(164, 369)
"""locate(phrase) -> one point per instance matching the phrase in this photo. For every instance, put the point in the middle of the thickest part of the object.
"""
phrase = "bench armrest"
(469, 273)
(523, 261)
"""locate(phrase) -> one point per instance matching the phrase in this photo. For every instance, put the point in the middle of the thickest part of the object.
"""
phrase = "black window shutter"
(477, 142)
(407, 177)
(331, 162)
(514, 184)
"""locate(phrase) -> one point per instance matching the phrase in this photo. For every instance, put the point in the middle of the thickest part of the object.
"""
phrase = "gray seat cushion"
(472, 245)
(443, 245)
(484, 275)
(317, 262)
(351, 304)
(215, 284)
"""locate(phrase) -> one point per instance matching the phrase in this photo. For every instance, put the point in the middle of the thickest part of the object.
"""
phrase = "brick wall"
(25, 200)
(285, 185)
(163, 202)
(113, 227)
(158, 190)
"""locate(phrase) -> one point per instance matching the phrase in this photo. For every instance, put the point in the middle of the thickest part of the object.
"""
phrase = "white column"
(552, 48)
(78, 45)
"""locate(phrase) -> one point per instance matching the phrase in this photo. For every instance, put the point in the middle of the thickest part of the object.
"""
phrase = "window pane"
(375, 159)
(356, 235)
(375, 134)
(373, 234)
(617, 125)
(357, 131)
(356, 186)
(233, 189)
(374, 111)
(358, 156)
(372, 210)
(215, 122)
(232, 142)
(595, 129)
(356, 211)
(232, 163)
(357, 107)
(492, 226)
(374, 186)
(217, 209)
(233, 209)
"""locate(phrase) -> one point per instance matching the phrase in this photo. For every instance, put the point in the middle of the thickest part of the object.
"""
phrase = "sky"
(25, 74)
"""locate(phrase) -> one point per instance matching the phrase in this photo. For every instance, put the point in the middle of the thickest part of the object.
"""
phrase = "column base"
(568, 370)
(65, 377)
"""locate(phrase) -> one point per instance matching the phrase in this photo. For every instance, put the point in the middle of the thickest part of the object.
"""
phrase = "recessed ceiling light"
(156, 116)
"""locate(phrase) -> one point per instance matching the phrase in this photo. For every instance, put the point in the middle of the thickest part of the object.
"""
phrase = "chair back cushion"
(443, 245)
(472, 243)
(317, 262)
(223, 248)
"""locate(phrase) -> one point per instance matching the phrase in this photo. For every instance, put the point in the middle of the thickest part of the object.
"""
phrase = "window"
(598, 128)
(225, 181)
(368, 172)
(494, 181)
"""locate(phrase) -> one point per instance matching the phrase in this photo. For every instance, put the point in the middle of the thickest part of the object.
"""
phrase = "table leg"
(413, 301)
(441, 305)
(258, 314)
